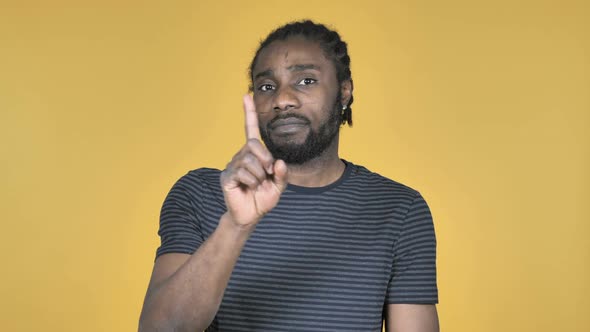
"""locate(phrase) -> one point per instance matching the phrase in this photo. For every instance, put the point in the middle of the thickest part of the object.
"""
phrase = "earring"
(344, 107)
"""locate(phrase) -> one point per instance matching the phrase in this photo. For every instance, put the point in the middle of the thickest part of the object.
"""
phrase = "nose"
(285, 99)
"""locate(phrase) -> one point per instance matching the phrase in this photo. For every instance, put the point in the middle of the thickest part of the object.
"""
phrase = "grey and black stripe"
(324, 259)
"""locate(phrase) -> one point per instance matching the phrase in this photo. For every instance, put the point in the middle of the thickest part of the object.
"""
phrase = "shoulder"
(204, 174)
(364, 178)
(201, 176)
(199, 181)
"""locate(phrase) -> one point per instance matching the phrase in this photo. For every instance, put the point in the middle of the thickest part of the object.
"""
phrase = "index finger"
(252, 130)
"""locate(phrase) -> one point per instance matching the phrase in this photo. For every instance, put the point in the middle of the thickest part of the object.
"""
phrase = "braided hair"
(333, 46)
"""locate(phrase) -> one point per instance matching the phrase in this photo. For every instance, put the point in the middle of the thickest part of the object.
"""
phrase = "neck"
(320, 171)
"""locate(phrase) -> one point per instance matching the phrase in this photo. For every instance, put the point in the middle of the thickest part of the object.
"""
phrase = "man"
(289, 237)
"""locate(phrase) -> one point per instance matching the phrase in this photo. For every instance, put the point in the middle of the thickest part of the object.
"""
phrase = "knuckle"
(250, 160)
(237, 156)
(268, 156)
(229, 168)
(241, 173)
(244, 175)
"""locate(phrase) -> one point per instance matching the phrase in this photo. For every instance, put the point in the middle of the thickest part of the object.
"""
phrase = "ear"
(346, 91)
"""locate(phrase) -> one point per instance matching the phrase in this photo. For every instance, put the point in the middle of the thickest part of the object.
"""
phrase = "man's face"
(298, 99)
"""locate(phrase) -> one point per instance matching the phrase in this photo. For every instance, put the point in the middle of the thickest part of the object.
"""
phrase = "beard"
(315, 143)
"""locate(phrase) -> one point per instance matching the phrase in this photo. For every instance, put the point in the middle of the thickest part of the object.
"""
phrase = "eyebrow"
(298, 67)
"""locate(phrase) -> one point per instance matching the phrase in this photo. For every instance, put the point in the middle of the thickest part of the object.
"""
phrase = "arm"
(185, 291)
(411, 318)
(412, 291)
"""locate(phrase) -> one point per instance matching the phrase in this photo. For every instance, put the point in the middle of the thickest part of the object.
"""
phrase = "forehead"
(292, 51)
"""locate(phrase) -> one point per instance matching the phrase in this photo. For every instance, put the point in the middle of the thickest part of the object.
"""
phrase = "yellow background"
(483, 106)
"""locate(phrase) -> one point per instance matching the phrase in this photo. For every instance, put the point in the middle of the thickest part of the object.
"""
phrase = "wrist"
(236, 229)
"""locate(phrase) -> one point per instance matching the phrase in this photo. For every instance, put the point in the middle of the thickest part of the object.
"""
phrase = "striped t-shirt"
(324, 259)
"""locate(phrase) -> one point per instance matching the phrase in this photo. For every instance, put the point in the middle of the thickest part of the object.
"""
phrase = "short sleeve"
(413, 272)
(180, 229)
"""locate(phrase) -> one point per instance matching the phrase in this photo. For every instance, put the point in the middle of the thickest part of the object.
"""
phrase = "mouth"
(288, 122)
(288, 126)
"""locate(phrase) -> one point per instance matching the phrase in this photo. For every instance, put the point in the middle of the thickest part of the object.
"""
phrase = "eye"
(307, 81)
(266, 87)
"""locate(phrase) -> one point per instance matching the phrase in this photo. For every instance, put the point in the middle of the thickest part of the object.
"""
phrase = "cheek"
(257, 101)
(329, 96)
(262, 105)
(263, 120)
(315, 100)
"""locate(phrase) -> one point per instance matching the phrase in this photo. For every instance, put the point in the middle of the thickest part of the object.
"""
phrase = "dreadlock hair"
(333, 46)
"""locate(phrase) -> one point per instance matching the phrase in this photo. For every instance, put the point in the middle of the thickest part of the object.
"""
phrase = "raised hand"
(253, 181)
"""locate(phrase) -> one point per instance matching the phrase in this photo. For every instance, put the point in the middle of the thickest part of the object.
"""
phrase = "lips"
(290, 121)
(288, 126)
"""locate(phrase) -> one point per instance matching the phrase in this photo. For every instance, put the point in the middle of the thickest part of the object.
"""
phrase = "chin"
(289, 140)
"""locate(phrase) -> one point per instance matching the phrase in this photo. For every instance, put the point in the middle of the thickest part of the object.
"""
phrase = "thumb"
(280, 175)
